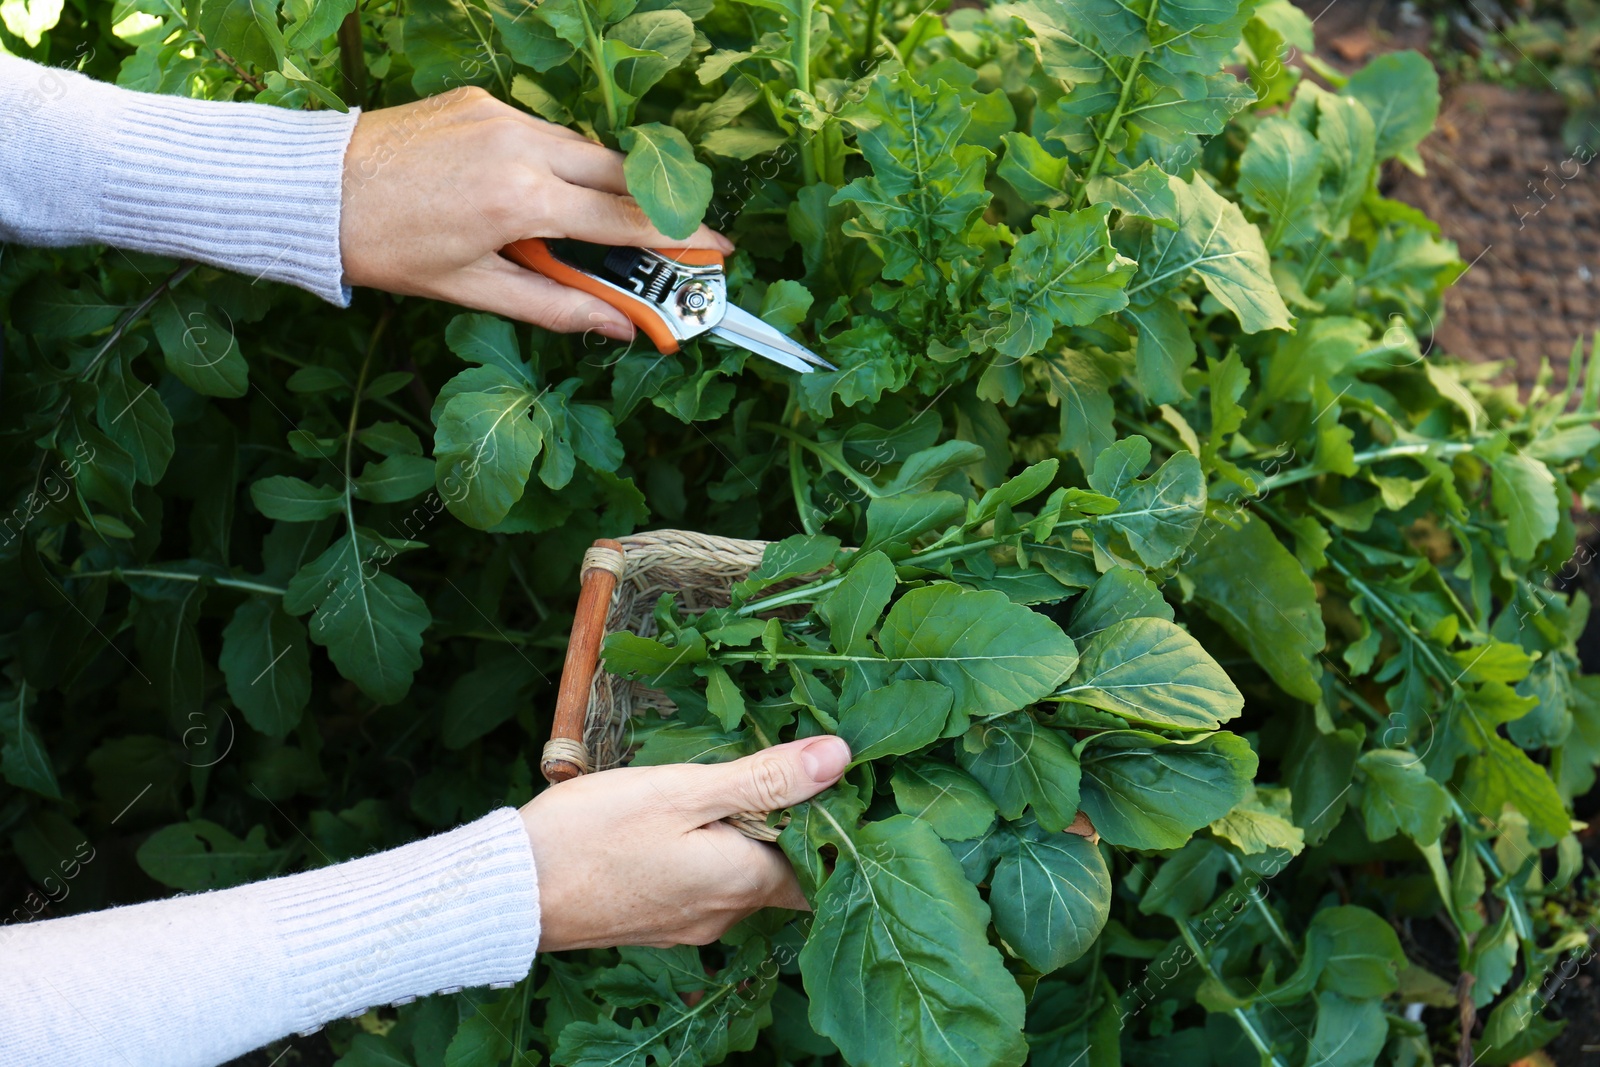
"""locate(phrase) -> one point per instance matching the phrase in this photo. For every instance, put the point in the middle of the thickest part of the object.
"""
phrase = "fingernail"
(617, 325)
(825, 758)
(724, 244)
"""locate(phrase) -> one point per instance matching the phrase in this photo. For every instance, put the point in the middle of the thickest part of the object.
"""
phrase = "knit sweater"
(198, 979)
(245, 187)
(195, 980)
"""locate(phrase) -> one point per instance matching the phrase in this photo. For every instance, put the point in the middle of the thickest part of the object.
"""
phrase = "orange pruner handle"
(535, 254)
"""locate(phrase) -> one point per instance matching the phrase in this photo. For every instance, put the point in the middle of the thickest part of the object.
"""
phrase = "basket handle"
(564, 754)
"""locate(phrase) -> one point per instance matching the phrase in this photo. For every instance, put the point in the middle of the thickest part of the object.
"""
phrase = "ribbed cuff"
(449, 912)
(250, 188)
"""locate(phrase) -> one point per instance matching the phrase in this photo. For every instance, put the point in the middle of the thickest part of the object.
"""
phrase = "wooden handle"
(583, 658)
(536, 255)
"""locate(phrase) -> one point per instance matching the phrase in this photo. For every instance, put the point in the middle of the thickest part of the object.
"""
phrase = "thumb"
(778, 777)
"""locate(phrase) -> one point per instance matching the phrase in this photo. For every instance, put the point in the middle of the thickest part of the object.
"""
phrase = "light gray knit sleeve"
(245, 187)
(194, 981)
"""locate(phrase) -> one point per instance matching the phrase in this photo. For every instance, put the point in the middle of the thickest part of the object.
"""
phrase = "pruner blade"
(741, 328)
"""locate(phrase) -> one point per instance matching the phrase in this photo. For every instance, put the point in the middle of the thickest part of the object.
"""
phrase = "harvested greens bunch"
(1138, 492)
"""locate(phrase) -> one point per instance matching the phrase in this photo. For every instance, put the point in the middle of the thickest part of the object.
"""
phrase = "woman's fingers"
(591, 165)
(608, 219)
(502, 287)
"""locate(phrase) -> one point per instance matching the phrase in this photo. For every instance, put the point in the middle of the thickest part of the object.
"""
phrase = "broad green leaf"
(1256, 590)
(294, 499)
(898, 964)
(1164, 351)
(133, 415)
(1401, 91)
(1279, 176)
(947, 798)
(1398, 795)
(202, 352)
(658, 41)
(1117, 595)
(1214, 241)
(1143, 191)
(724, 699)
(245, 29)
(267, 666)
(1144, 791)
(1186, 883)
(484, 697)
(895, 522)
(1051, 894)
(853, 607)
(1024, 765)
(487, 340)
(1503, 774)
(201, 855)
(1349, 1033)
(997, 656)
(395, 479)
(1063, 273)
(1260, 823)
(1038, 177)
(672, 187)
(1160, 514)
(24, 760)
(904, 716)
(1525, 496)
(484, 447)
(1152, 673)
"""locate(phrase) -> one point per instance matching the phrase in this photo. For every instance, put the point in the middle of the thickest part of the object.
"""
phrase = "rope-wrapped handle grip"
(565, 754)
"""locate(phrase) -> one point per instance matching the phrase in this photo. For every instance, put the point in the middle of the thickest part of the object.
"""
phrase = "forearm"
(245, 187)
(196, 980)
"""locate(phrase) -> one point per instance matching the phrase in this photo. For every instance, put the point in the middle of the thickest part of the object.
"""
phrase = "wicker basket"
(621, 581)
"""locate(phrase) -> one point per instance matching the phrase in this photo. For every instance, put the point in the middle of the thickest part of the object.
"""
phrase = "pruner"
(671, 294)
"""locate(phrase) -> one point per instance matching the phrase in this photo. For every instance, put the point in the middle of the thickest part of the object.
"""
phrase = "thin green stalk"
(608, 91)
(1108, 131)
(869, 39)
(1265, 909)
(860, 480)
(121, 573)
(800, 60)
(797, 484)
(1243, 1016)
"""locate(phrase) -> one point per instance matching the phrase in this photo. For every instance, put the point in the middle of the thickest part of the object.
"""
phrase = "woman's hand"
(637, 856)
(432, 191)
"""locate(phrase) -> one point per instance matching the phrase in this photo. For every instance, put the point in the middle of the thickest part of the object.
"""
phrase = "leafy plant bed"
(1128, 360)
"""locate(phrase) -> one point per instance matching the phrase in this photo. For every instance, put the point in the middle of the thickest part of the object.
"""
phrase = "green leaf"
(295, 500)
(1401, 91)
(1024, 765)
(1160, 514)
(947, 798)
(724, 699)
(1503, 774)
(484, 446)
(395, 479)
(370, 622)
(133, 415)
(1038, 177)
(201, 855)
(245, 29)
(1152, 673)
(1256, 590)
(1064, 273)
(997, 656)
(904, 716)
(267, 667)
(1116, 595)
(672, 187)
(200, 351)
(1144, 791)
(1349, 1033)
(853, 607)
(1051, 894)
(24, 761)
(1524, 494)
(484, 697)
(1261, 823)
(895, 522)
(1214, 241)
(1144, 191)
(1397, 794)
(1165, 350)
(900, 935)
(1279, 175)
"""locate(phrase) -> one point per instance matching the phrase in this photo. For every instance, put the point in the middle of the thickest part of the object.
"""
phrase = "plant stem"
(860, 481)
(1265, 909)
(869, 39)
(1108, 131)
(800, 60)
(121, 573)
(1243, 1016)
(608, 91)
